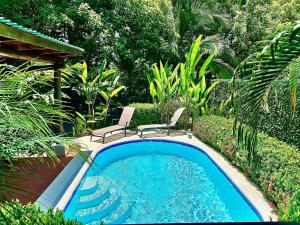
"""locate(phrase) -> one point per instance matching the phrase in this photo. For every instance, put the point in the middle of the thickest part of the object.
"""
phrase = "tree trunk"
(58, 98)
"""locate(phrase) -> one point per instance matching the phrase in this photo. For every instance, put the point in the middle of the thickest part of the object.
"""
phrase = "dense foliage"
(277, 172)
(277, 120)
(254, 20)
(31, 214)
(26, 115)
(132, 35)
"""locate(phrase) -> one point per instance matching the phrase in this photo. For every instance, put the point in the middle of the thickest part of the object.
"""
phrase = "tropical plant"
(258, 73)
(190, 85)
(23, 109)
(163, 85)
(89, 86)
(193, 89)
(98, 81)
(26, 119)
(111, 90)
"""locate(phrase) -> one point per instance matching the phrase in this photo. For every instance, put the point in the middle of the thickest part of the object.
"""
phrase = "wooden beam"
(51, 53)
(45, 67)
(19, 55)
(18, 35)
(30, 48)
(8, 41)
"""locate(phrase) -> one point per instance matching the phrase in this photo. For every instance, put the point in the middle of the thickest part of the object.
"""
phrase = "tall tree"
(210, 19)
(131, 35)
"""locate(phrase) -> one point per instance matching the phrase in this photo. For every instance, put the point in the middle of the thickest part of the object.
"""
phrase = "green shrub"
(15, 213)
(172, 106)
(277, 172)
(144, 113)
(278, 121)
(12, 143)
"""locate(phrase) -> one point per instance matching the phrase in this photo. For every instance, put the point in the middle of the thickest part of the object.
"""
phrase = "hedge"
(279, 121)
(278, 166)
(30, 214)
(146, 113)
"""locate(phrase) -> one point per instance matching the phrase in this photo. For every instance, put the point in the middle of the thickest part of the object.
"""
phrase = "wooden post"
(57, 96)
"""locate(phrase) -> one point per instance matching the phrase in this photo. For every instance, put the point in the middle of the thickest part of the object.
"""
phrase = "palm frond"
(26, 119)
(258, 72)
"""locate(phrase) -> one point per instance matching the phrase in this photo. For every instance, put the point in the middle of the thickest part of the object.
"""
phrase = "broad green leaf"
(95, 80)
(205, 64)
(116, 91)
(174, 73)
(163, 74)
(109, 72)
(203, 84)
(159, 86)
(156, 72)
(206, 93)
(115, 80)
(152, 90)
(195, 50)
(84, 72)
(175, 86)
(104, 95)
(80, 115)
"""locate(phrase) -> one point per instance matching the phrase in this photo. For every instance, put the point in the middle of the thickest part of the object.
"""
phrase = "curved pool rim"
(175, 142)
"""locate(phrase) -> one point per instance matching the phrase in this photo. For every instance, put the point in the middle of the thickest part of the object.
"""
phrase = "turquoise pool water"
(157, 182)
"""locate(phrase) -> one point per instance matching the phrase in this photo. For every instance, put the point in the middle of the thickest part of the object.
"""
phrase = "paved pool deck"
(60, 191)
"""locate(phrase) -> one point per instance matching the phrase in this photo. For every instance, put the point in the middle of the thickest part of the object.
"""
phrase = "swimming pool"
(155, 181)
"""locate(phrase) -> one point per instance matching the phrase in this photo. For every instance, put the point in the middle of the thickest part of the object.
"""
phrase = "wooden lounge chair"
(168, 126)
(123, 124)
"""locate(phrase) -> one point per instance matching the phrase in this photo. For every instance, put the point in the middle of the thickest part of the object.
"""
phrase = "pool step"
(92, 193)
(92, 214)
(92, 202)
(90, 189)
(119, 216)
(98, 200)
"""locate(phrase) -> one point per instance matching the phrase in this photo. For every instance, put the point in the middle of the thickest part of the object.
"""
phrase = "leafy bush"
(277, 172)
(13, 143)
(15, 213)
(172, 106)
(145, 113)
(277, 120)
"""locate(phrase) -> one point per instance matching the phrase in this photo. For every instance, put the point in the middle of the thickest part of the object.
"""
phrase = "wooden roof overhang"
(20, 43)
